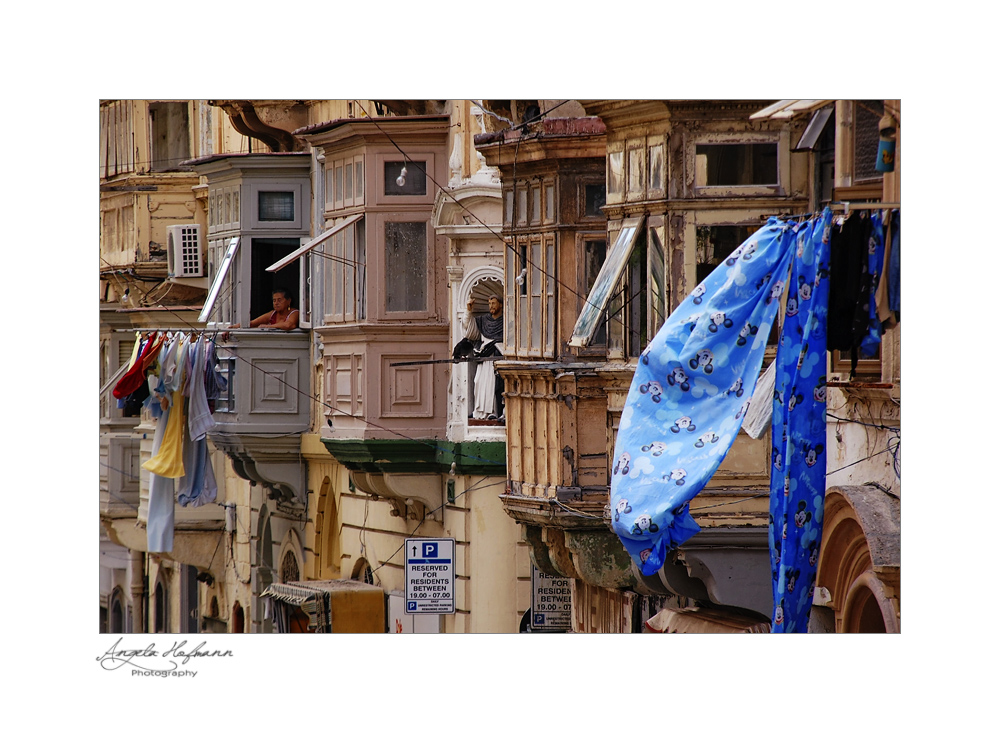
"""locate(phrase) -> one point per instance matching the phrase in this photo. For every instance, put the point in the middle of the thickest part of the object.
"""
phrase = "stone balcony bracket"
(412, 495)
(271, 461)
(592, 555)
(720, 565)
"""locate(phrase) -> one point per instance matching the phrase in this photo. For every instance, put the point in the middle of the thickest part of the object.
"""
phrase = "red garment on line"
(131, 380)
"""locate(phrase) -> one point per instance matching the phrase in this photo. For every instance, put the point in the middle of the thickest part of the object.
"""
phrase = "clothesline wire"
(436, 446)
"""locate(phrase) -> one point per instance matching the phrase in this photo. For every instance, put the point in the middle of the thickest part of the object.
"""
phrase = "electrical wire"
(491, 230)
(435, 446)
(474, 487)
(861, 460)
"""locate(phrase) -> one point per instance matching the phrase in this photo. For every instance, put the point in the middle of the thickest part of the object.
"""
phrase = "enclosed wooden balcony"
(265, 408)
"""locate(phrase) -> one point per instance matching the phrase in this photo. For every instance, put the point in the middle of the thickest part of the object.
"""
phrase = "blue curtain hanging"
(690, 393)
(798, 432)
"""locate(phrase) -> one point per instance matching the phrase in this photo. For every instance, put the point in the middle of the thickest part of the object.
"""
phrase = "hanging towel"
(848, 260)
(869, 324)
(690, 393)
(160, 509)
(199, 415)
(168, 460)
(197, 486)
(135, 375)
(894, 265)
(798, 436)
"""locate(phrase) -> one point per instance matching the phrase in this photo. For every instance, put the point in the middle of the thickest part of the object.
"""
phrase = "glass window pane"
(595, 252)
(276, 205)
(405, 266)
(360, 274)
(713, 244)
(594, 199)
(656, 167)
(359, 180)
(606, 280)
(510, 307)
(349, 266)
(535, 275)
(657, 281)
(550, 290)
(338, 274)
(616, 171)
(866, 119)
(636, 171)
(349, 181)
(414, 183)
(750, 164)
(536, 204)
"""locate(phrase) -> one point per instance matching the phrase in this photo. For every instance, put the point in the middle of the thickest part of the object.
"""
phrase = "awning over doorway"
(705, 621)
(346, 606)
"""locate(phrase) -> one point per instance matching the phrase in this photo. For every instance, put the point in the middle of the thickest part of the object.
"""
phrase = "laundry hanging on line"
(185, 383)
(798, 431)
(690, 392)
(864, 275)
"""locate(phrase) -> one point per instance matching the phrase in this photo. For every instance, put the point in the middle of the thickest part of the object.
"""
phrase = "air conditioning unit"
(184, 251)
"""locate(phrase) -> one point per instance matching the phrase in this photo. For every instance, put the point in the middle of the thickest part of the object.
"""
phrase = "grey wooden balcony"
(265, 408)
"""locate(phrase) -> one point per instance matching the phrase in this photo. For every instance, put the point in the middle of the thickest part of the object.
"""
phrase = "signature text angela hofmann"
(151, 662)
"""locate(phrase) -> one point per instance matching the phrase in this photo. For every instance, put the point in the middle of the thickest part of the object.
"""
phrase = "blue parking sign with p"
(430, 549)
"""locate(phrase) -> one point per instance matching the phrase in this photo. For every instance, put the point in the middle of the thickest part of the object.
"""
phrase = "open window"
(604, 285)
(736, 164)
(241, 281)
(219, 265)
(345, 240)
(637, 307)
(169, 137)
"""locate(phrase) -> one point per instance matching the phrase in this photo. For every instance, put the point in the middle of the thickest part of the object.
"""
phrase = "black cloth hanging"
(850, 285)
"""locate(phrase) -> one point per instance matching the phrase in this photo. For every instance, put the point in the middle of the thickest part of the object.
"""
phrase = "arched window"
(237, 618)
(160, 606)
(117, 622)
(289, 568)
(363, 572)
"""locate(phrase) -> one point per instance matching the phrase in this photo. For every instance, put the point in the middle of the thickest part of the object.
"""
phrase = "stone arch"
(117, 611)
(263, 571)
(238, 621)
(327, 531)
(363, 571)
(480, 284)
(291, 557)
(859, 560)
(161, 608)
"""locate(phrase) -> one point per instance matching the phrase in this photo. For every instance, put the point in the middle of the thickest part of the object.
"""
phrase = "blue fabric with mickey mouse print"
(798, 431)
(690, 393)
(876, 253)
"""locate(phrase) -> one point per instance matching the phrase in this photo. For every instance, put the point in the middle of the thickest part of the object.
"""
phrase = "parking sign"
(430, 575)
